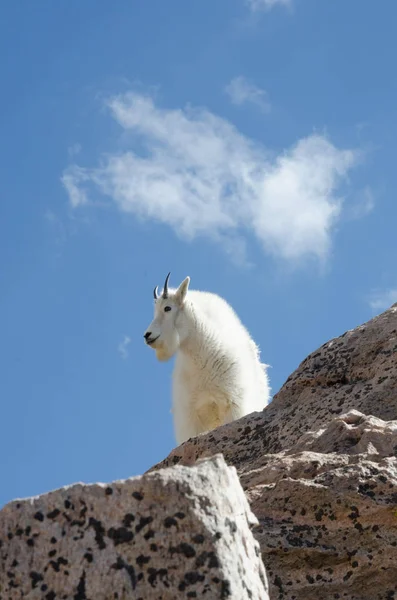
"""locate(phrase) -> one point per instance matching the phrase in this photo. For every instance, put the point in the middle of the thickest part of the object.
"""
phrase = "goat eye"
(167, 308)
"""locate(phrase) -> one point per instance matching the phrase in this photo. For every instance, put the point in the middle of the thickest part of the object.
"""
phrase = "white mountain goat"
(218, 376)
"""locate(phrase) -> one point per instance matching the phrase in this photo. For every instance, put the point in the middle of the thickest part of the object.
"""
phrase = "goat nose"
(147, 335)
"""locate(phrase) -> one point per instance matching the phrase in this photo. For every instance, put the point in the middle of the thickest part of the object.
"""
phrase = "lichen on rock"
(178, 533)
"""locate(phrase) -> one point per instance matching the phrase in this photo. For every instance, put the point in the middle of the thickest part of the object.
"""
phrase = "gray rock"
(178, 533)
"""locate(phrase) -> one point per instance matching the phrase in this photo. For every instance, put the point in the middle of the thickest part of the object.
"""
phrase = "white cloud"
(123, 347)
(202, 177)
(241, 91)
(72, 179)
(381, 300)
(257, 5)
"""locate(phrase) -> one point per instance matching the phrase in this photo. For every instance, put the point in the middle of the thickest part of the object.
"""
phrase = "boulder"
(181, 532)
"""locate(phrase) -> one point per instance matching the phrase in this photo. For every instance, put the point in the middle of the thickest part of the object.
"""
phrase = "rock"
(327, 511)
(178, 533)
(319, 469)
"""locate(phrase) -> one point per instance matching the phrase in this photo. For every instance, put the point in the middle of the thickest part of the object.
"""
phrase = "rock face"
(328, 512)
(319, 467)
(177, 533)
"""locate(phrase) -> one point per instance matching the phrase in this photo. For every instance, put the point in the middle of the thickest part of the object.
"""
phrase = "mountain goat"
(218, 376)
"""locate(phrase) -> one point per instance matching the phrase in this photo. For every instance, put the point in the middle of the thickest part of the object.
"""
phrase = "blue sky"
(248, 144)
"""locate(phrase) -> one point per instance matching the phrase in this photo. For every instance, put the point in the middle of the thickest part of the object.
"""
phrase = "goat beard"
(163, 351)
(162, 355)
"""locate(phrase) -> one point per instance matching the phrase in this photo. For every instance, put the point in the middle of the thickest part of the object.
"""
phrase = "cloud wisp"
(122, 348)
(241, 91)
(265, 5)
(382, 299)
(74, 149)
(195, 172)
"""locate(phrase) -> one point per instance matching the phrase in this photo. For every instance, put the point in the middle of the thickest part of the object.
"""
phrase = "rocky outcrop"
(177, 533)
(328, 512)
(319, 468)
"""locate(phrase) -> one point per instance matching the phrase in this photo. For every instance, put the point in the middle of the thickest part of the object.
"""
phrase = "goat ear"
(181, 292)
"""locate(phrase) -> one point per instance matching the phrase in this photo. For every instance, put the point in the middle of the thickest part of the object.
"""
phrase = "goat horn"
(155, 293)
(165, 290)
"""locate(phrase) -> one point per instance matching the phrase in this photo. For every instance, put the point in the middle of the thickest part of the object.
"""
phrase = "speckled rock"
(327, 511)
(182, 532)
(319, 469)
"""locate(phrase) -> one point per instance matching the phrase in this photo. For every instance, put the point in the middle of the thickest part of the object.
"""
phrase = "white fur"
(218, 376)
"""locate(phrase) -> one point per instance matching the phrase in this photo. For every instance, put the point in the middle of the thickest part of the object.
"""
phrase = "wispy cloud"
(241, 91)
(122, 348)
(74, 149)
(202, 177)
(361, 204)
(367, 203)
(382, 299)
(57, 226)
(257, 5)
(73, 179)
